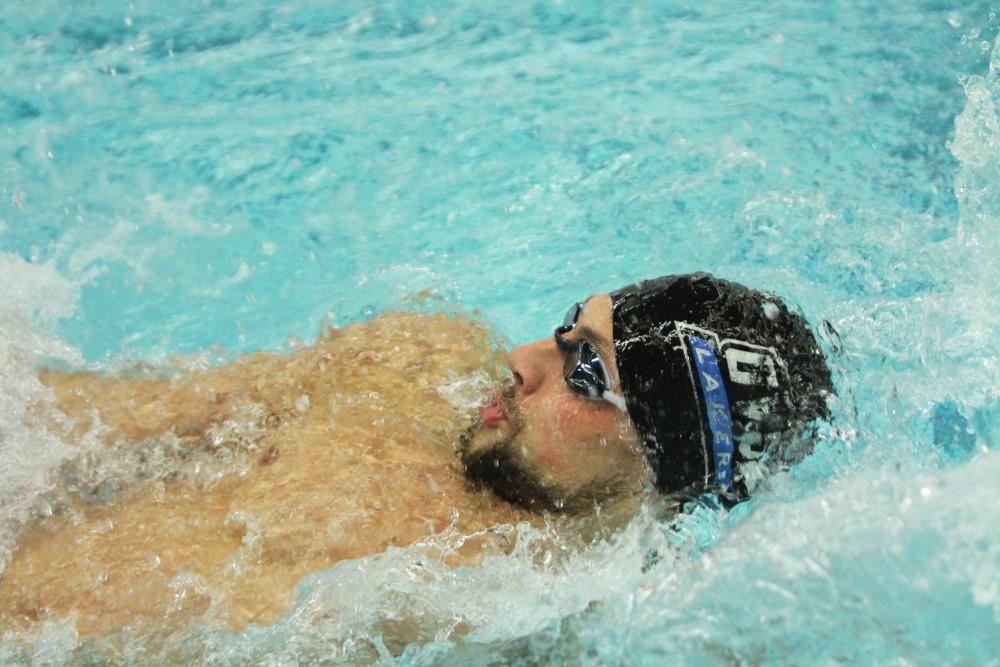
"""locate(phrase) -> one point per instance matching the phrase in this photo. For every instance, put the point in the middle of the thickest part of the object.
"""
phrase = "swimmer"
(241, 479)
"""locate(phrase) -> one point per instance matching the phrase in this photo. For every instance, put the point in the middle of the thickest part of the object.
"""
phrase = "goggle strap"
(616, 400)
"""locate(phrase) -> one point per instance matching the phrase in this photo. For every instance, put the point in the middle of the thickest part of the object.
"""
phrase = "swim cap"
(714, 375)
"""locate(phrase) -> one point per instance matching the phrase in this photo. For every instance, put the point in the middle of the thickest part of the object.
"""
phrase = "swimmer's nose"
(533, 364)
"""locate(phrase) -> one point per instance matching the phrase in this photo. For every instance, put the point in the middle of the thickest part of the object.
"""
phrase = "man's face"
(540, 444)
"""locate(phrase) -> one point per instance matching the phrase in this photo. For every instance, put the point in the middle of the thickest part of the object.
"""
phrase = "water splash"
(468, 391)
(31, 444)
(527, 157)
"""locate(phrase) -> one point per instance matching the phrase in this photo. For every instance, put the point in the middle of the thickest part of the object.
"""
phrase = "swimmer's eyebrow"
(602, 343)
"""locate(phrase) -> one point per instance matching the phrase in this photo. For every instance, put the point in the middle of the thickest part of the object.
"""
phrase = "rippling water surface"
(192, 175)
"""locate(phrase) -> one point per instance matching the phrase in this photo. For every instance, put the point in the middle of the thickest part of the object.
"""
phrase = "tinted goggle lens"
(585, 371)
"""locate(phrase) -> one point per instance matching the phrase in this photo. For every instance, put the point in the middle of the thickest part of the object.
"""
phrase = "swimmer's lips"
(494, 413)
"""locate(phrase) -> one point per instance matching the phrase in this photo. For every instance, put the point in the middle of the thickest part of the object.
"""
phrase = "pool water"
(219, 177)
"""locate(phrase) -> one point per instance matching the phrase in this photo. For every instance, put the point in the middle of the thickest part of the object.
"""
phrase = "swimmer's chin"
(480, 437)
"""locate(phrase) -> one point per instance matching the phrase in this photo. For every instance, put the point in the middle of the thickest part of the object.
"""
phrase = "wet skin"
(557, 450)
(259, 486)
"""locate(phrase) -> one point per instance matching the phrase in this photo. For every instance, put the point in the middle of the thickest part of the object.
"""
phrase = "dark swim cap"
(714, 375)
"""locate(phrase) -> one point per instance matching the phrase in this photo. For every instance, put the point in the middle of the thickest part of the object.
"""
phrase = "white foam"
(466, 392)
(35, 297)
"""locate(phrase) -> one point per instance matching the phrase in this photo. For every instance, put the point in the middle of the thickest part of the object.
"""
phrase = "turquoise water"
(224, 176)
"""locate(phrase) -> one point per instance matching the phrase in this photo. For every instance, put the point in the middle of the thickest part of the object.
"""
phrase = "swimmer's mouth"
(494, 411)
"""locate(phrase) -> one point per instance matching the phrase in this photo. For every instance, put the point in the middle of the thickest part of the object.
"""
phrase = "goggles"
(584, 370)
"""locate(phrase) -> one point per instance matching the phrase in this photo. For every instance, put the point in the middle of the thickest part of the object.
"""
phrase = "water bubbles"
(103, 527)
(187, 586)
(485, 595)
(971, 36)
(468, 391)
